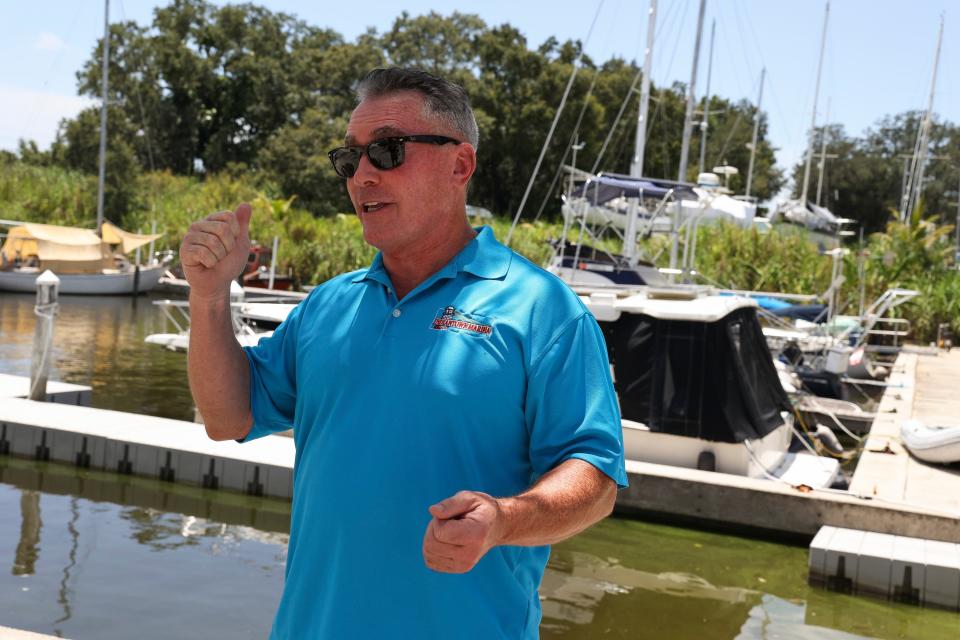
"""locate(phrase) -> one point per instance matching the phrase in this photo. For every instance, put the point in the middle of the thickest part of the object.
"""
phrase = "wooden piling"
(48, 288)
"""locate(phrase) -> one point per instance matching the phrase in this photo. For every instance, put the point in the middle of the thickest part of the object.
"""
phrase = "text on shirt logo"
(450, 318)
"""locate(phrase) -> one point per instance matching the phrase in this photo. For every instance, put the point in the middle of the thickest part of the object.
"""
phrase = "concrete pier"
(170, 450)
(886, 470)
(62, 392)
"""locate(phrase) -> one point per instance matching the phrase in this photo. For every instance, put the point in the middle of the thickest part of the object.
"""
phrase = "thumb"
(243, 214)
(453, 506)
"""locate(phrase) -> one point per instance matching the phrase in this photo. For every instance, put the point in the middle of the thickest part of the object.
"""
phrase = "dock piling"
(48, 287)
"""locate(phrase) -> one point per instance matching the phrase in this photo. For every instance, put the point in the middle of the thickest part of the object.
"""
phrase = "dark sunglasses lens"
(345, 161)
(385, 154)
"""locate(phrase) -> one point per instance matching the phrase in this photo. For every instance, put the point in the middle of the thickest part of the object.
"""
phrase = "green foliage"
(782, 261)
(864, 181)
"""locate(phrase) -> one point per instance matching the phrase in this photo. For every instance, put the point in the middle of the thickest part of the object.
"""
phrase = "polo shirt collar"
(483, 257)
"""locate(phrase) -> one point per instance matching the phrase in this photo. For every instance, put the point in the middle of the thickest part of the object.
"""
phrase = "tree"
(865, 181)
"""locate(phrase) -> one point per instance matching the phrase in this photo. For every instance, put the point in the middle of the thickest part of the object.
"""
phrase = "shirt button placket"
(396, 313)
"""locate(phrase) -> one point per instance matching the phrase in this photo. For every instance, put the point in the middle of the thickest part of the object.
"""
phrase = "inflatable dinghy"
(931, 443)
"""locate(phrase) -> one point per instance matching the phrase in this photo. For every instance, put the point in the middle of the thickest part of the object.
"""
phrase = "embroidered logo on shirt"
(450, 318)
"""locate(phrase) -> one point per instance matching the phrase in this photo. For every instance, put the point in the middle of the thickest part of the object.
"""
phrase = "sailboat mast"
(706, 100)
(636, 167)
(688, 120)
(813, 118)
(103, 112)
(756, 133)
(823, 153)
(920, 156)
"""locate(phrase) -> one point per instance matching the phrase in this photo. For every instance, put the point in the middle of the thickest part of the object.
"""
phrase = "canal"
(86, 554)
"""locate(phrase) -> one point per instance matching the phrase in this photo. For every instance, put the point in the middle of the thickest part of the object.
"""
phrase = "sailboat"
(87, 261)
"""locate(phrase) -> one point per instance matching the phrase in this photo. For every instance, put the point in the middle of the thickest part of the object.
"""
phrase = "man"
(452, 405)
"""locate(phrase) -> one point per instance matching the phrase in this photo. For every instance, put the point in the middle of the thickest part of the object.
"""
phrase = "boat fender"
(828, 439)
(706, 461)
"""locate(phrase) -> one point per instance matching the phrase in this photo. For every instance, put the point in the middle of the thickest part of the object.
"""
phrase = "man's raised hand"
(214, 251)
(464, 527)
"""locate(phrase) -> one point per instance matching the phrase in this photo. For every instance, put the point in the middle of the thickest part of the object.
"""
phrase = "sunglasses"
(384, 154)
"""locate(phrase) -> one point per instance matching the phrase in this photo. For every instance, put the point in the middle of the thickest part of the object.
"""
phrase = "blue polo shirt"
(483, 378)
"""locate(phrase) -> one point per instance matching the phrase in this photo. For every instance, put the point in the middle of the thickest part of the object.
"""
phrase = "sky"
(879, 53)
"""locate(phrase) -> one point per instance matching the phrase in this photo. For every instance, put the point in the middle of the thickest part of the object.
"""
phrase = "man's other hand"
(214, 251)
(464, 527)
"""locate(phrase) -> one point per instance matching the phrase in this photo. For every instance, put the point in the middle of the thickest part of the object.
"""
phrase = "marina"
(780, 356)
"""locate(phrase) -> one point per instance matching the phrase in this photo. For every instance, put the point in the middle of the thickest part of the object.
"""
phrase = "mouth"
(372, 206)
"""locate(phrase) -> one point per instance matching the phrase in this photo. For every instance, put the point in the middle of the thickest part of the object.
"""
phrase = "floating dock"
(62, 392)
(133, 444)
(910, 570)
(891, 492)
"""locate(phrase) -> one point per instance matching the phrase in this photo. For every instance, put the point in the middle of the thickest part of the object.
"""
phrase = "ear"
(465, 163)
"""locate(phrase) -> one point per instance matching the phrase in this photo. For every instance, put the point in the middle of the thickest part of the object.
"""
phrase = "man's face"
(400, 207)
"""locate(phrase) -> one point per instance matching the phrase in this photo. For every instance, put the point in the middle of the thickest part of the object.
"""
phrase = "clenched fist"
(214, 251)
(464, 527)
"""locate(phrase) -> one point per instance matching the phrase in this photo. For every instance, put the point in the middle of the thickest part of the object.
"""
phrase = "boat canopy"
(710, 380)
(129, 242)
(606, 187)
(69, 249)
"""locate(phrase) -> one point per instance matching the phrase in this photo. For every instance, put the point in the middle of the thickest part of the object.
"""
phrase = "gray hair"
(443, 99)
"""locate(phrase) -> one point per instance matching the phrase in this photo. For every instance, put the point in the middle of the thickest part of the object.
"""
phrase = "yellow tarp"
(70, 248)
(113, 234)
(49, 242)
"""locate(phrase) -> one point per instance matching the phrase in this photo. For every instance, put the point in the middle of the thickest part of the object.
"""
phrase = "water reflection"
(116, 548)
(98, 341)
(25, 559)
(64, 591)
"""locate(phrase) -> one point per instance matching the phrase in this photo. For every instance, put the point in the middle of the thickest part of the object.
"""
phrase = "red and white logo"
(450, 318)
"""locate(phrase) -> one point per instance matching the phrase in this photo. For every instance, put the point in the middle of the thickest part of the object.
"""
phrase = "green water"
(85, 554)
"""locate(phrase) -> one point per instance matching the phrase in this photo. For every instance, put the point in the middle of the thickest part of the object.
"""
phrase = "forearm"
(564, 502)
(218, 370)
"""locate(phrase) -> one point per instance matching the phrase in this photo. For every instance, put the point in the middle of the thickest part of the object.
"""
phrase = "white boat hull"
(98, 284)
(766, 458)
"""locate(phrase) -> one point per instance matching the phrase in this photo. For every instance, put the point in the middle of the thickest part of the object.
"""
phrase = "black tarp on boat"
(709, 380)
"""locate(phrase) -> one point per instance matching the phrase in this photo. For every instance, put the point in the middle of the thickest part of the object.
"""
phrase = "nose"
(366, 174)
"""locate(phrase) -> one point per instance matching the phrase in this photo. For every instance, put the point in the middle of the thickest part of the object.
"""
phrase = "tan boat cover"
(113, 234)
(69, 249)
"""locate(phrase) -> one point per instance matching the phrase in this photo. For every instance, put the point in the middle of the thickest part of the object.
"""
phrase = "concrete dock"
(134, 444)
(62, 392)
(886, 470)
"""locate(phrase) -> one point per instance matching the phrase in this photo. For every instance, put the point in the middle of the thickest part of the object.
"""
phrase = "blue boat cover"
(606, 187)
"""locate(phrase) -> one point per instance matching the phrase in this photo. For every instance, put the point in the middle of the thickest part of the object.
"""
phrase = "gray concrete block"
(842, 559)
(875, 565)
(190, 468)
(941, 585)
(146, 460)
(63, 446)
(909, 569)
(20, 439)
(234, 475)
(279, 482)
(817, 561)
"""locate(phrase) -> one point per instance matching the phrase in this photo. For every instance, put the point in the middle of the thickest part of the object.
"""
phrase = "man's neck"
(407, 269)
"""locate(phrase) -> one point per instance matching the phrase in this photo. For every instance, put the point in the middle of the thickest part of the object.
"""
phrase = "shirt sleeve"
(273, 378)
(571, 406)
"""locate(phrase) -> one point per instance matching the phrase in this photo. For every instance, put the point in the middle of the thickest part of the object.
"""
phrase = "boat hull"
(644, 445)
(96, 284)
